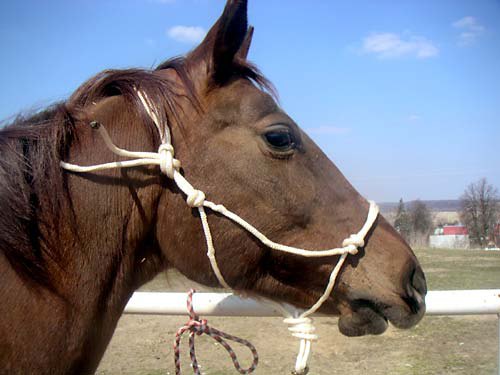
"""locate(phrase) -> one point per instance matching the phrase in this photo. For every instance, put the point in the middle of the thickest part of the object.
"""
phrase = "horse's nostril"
(418, 281)
(416, 289)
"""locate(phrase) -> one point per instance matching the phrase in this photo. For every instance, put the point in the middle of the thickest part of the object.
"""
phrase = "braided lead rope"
(197, 327)
(196, 199)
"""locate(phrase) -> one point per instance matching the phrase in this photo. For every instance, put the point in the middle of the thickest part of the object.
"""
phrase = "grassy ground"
(460, 269)
(437, 345)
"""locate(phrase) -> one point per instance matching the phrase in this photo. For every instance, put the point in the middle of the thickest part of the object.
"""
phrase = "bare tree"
(480, 211)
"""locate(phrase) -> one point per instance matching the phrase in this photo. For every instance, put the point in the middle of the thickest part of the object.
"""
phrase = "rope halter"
(300, 325)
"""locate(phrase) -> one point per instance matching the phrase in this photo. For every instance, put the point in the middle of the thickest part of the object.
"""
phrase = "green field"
(460, 269)
(436, 346)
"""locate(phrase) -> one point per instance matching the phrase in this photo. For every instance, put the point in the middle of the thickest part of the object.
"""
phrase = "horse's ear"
(245, 46)
(230, 35)
(224, 41)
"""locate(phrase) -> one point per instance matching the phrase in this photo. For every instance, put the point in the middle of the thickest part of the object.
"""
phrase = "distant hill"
(446, 205)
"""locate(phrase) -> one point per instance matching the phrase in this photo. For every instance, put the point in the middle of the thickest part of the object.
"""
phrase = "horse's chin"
(362, 320)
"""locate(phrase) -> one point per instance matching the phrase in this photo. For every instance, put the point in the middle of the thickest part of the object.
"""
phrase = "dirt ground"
(438, 345)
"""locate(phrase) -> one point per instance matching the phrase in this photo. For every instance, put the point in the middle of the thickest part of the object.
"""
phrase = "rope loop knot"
(302, 328)
(197, 327)
(195, 198)
(353, 242)
(168, 164)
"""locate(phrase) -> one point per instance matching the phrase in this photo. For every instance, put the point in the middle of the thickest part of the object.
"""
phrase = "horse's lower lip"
(364, 318)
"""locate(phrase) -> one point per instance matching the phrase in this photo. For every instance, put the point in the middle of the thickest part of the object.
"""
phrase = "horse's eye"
(280, 139)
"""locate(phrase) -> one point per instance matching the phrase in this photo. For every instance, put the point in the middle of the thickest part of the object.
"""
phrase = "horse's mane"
(31, 147)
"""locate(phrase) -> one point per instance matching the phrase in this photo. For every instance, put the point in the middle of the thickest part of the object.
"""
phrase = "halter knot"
(195, 198)
(355, 241)
(168, 164)
(302, 328)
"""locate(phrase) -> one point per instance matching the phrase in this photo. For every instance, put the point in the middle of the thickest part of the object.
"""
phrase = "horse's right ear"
(245, 47)
(224, 41)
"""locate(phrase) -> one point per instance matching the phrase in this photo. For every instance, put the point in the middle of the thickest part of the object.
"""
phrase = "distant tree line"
(479, 212)
(414, 223)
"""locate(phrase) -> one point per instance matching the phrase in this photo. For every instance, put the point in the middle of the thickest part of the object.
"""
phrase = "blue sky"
(404, 96)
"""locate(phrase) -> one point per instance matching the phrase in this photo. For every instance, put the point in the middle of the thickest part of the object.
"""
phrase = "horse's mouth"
(364, 317)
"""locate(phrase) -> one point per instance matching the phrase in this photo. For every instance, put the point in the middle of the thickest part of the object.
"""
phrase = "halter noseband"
(300, 323)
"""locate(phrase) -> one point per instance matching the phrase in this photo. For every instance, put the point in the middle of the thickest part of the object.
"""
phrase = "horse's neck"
(102, 270)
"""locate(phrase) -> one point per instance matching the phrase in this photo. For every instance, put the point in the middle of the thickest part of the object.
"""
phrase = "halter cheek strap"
(300, 323)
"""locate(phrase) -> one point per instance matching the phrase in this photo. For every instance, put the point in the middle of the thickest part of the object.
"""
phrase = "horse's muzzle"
(367, 315)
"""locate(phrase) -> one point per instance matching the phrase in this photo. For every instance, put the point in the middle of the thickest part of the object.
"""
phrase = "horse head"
(242, 149)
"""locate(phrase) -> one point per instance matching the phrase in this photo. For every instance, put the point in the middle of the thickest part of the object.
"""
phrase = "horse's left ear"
(230, 35)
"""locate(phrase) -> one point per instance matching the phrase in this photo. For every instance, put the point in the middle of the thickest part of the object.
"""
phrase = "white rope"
(301, 326)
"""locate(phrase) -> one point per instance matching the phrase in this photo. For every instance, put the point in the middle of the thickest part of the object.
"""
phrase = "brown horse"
(74, 247)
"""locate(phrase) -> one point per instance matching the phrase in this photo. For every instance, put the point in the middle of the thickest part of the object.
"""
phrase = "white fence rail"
(446, 302)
